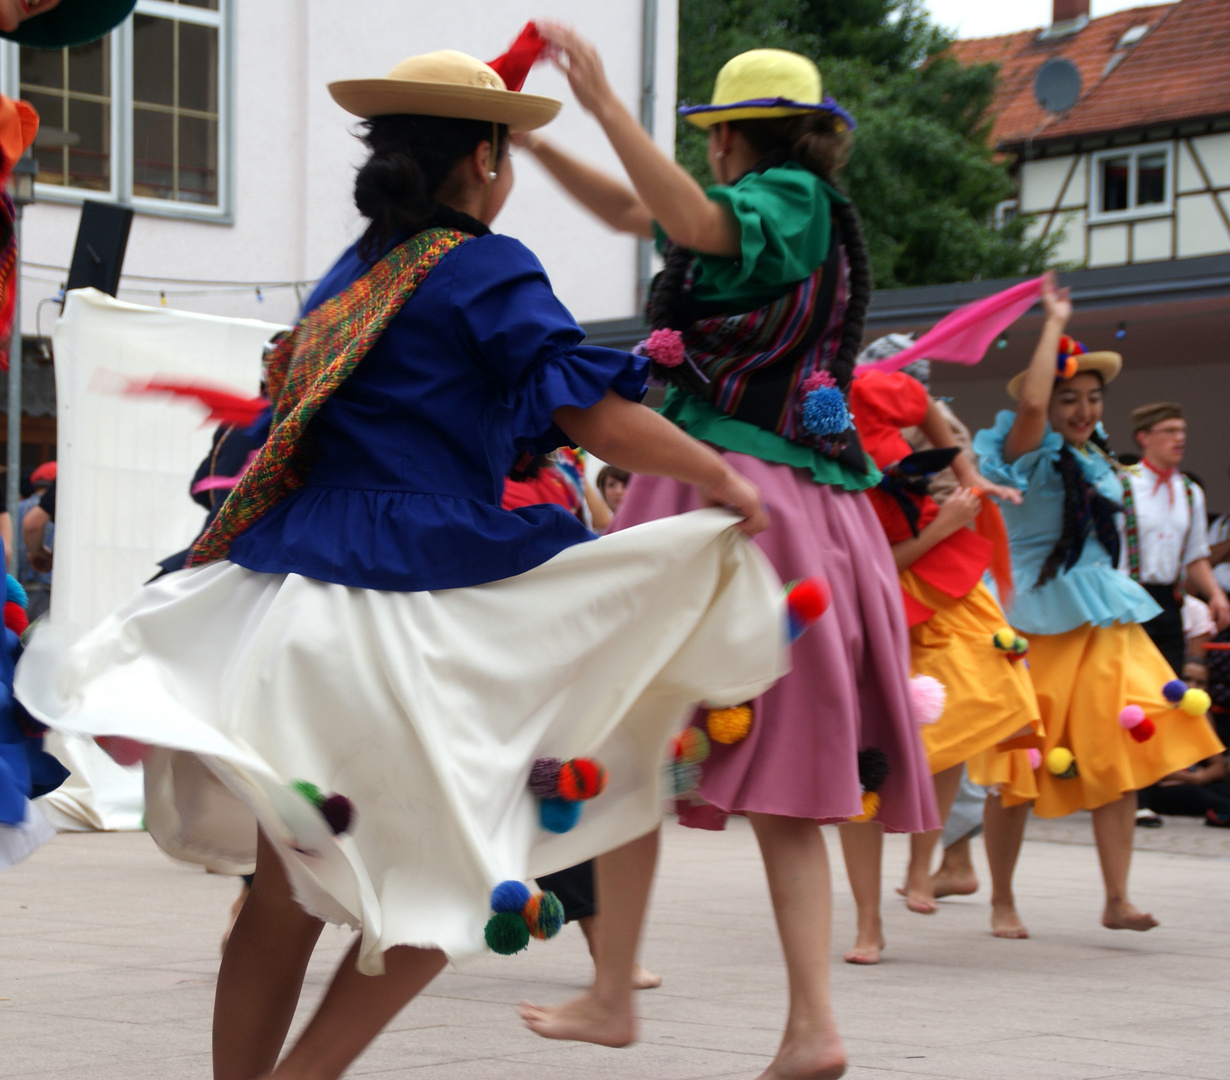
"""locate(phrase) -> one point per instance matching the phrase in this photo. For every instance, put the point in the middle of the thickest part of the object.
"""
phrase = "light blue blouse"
(1093, 591)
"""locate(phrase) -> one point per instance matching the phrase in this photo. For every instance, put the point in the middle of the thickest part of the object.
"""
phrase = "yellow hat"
(445, 83)
(1106, 364)
(762, 84)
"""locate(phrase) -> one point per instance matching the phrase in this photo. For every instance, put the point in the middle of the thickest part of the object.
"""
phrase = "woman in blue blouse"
(363, 618)
(1098, 676)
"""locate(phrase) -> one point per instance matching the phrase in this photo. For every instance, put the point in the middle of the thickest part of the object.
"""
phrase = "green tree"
(923, 175)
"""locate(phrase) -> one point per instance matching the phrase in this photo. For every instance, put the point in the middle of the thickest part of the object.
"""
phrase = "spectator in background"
(612, 484)
(1165, 528)
(34, 530)
(1219, 550)
(37, 583)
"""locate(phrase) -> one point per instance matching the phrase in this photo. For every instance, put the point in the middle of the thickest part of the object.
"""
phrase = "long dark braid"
(1083, 507)
(841, 367)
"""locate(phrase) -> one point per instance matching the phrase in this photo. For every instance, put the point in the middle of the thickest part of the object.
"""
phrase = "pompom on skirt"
(848, 688)
(990, 701)
(1083, 679)
(426, 710)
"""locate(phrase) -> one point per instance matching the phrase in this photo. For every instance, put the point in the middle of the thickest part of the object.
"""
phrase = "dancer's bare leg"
(604, 1014)
(642, 977)
(1114, 832)
(862, 845)
(797, 866)
(236, 908)
(919, 896)
(262, 973)
(1003, 828)
(356, 1009)
(956, 875)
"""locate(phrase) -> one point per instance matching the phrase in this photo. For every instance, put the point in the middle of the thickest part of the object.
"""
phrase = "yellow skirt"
(1084, 678)
(989, 697)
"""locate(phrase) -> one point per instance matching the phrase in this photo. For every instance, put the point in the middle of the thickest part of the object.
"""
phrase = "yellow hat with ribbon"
(763, 84)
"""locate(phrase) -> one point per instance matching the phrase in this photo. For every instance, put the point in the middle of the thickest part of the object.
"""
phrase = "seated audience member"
(611, 485)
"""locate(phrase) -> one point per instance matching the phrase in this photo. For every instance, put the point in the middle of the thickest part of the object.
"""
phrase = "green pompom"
(309, 791)
(506, 933)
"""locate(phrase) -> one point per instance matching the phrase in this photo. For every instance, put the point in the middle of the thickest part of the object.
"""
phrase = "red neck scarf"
(1162, 478)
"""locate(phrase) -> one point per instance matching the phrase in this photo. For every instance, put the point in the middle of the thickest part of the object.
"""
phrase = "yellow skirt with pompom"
(989, 697)
(1084, 678)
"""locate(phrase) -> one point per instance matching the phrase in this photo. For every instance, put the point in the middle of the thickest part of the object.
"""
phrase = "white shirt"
(1219, 531)
(1197, 619)
(1162, 523)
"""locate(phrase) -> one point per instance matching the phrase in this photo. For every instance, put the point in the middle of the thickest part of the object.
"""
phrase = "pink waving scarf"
(964, 336)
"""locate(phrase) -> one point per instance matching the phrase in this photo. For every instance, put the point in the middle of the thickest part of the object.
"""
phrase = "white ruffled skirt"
(426, 710)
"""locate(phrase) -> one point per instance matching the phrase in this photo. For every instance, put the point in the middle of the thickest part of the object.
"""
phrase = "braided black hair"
(1083, 507)
(411, 160)
(820, 145)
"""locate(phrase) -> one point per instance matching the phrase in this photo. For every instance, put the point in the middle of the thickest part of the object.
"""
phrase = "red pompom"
(580, 779)
(809, 599)
(1143, 731)
(15, 617)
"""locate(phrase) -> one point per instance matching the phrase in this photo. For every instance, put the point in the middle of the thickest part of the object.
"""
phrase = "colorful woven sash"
(305, 368)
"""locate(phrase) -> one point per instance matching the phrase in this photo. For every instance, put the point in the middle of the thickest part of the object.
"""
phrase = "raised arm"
(635, 438)
(666, 190)
(1031, 412)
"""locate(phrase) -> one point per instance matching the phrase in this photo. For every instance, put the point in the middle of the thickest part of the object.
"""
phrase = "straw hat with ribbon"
(763, 84)
(448, 83)
(71, 22)
(1072, 360)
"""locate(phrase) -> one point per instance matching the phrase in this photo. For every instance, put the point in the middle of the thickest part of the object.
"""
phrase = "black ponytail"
(412, 159)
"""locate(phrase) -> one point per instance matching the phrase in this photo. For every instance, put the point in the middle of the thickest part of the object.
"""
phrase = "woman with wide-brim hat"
(1109, 730)
(758, 317)
(367, 657)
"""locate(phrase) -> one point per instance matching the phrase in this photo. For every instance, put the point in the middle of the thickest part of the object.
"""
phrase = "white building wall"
(295, 156)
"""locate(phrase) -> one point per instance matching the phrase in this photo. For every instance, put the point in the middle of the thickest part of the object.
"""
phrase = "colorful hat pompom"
(730, 725)
(558, 815)
(544, 777)
(1195, 702)
(1069, 349)
(509, 896)
(825, 412)
(15, 617)
(544, 915)
(15, 592)
(929, 697)
(1035, 757)
(806, 601)
(506, 933)
(581, 779)
(121, 750)
(691, 746)
(1174, 690)
(1061, 763)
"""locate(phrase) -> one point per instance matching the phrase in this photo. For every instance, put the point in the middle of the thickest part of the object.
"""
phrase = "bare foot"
(582, 1019)
(1120, 915)
(866, 950)
(1006, 923)
(820, 1059)
(944, 883)
(644, 979)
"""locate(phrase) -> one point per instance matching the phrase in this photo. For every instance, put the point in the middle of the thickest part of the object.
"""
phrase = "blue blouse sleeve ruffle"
(989, 446)
(518, 328)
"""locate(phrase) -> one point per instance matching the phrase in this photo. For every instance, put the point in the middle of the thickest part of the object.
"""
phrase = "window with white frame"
(139, 115)
(1132, 182)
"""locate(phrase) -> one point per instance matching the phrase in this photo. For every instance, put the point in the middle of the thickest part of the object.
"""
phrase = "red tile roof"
(1179, 71)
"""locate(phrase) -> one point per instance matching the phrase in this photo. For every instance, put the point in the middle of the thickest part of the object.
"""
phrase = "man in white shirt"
(1165, 542)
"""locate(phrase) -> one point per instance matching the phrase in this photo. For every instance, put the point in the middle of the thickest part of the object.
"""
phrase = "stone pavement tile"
(1206, 1063)
(964, 1063)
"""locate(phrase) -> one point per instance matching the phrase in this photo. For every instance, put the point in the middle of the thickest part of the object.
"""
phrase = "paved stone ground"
(108, 953)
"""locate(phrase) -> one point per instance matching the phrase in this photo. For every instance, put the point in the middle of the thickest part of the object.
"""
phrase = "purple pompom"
(338, 811)
(544, 777)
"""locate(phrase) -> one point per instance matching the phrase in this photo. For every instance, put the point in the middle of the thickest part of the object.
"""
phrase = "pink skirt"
(849, 686)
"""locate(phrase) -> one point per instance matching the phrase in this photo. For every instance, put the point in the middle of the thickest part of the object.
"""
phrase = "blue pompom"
(15, 593)
(558, 815)
(825, 412)
(1174, 690)
(509, 896)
